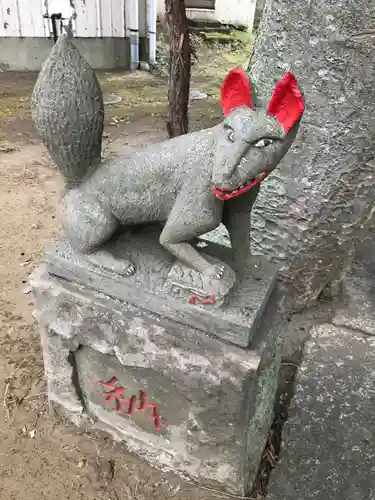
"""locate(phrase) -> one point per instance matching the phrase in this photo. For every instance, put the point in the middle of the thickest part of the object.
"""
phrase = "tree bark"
(179, 68)
(314, 208)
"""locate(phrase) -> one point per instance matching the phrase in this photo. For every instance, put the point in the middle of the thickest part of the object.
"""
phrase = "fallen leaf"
(5, 148)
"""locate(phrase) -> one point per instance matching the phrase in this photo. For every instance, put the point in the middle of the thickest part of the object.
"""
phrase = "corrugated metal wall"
(85, 18)
(21, 18)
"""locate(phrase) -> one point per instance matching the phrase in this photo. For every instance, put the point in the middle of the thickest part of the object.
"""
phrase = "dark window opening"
(200, 4)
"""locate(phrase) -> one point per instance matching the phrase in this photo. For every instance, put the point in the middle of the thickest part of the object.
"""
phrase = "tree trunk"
(179, 68)
(312, 211)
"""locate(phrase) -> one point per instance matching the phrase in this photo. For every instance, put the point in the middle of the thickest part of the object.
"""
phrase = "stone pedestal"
(189, 387)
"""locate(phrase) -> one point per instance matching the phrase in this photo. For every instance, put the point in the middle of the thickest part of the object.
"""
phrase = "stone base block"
(181, 398)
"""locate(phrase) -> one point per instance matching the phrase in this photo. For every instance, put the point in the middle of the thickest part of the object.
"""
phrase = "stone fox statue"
(190, 184)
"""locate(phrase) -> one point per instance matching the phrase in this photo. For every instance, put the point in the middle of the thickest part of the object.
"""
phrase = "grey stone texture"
(172, 183)
(312, 210)
(214, 399)
(68, 113)
(329, 445)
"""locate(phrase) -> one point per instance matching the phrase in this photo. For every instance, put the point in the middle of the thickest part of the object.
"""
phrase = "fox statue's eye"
(263, 143)
(231, 135)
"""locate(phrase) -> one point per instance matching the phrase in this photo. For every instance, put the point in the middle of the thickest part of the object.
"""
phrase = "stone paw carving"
(107, 261)
(218, 280)
(128, 269)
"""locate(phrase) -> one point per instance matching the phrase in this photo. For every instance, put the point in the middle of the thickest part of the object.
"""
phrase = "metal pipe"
(151, 27)
(134, 34)
(54, 19)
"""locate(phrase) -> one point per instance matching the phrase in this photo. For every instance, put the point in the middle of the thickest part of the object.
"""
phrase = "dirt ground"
(42, 456)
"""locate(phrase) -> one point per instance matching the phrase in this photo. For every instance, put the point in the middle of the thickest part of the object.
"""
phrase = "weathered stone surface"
(215, 399)
(358, 309)
(310, 213)
(73, 131)
(155, 285)
(329, 444)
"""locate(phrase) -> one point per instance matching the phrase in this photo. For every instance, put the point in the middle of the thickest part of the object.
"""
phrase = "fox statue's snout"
(253, 139)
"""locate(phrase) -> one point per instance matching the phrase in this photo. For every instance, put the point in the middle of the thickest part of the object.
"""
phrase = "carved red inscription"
(116, 394)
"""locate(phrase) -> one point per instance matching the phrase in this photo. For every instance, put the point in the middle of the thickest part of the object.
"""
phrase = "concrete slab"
(100, 53)
(154, 285)
(329, 439)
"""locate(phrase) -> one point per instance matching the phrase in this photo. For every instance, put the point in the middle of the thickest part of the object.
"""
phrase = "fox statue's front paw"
(218, 280)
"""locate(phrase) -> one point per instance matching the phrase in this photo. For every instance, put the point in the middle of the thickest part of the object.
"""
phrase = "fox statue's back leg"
(88, 225)
(68, 113)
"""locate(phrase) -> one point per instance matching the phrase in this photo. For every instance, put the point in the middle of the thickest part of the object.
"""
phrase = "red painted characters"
(194, 299)
(116, 394)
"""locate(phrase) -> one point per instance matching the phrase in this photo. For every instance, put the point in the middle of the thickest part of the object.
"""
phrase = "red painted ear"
(236, 91)
(287, 103)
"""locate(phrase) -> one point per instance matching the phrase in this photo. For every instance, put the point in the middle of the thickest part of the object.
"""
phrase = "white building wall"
(236, 12)
(239, 12)
(88, 18)
(21, 18)
(99, 29)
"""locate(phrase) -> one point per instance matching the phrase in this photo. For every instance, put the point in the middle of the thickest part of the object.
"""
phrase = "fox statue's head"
(253, 139)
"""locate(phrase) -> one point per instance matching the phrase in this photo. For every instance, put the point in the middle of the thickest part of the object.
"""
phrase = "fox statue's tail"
(68, 111)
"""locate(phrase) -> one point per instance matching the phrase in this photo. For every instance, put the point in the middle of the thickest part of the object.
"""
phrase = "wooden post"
(179, 68)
